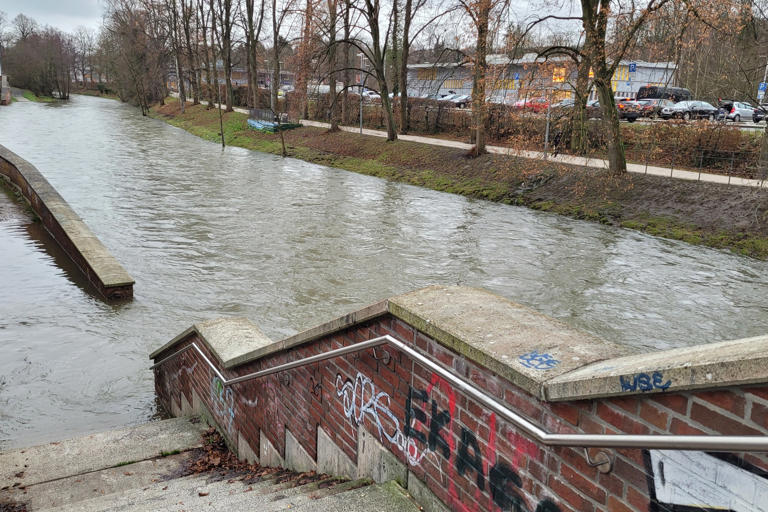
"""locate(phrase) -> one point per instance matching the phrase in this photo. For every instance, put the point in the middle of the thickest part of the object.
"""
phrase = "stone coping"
(547, 358)
(106, 268)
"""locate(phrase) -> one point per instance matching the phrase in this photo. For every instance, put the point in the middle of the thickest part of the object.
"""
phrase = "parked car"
(534, 104)
(651, 108)
(369, 95)
(461, 100)
(656, 92)
(690, 110)
(566, 103)
(627, 109)
(760, 113)
(735, 110)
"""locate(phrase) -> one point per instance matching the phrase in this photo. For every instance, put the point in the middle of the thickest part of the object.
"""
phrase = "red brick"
(680, 427)
(727, 400)
(585, 486)
(404, 331)
(629, 404)
(567, 412)
(638, 499)
(620, 420)
(760, 392)
(629, 473)
(718, 422)
(676, 403)
(569, 496)
(617, 505)
(612, 484)
(760, 415)
(651, 414)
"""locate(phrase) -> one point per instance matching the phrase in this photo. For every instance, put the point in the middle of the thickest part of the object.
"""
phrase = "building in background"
(510, 80)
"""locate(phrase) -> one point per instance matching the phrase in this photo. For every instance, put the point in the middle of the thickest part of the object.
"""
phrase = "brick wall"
(470, 459)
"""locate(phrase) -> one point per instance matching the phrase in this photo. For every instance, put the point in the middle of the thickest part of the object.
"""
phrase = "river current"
(209, 233)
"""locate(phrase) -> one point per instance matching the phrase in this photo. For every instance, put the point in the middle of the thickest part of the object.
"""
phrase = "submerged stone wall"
(380, 414)
(87, 252)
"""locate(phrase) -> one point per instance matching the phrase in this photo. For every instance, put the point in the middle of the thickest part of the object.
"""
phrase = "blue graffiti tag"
(538, 361)
(644, 382)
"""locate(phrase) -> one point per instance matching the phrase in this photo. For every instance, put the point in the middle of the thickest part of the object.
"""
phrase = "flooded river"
(288, 244)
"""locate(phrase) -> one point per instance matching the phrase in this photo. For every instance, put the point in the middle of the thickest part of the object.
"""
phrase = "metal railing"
(652, 441)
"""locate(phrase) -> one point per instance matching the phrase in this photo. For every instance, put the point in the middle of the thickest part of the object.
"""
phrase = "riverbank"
(29, 95)
(699, 213)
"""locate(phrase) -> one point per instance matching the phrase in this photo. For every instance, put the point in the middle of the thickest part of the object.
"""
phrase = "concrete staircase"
(165, 465)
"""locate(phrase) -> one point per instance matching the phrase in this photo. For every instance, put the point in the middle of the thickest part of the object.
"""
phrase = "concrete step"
(66, 491)
(53, 461)
(385, 497)
(206, 492)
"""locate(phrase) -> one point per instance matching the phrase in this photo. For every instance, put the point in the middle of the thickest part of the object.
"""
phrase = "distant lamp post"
(364, 76)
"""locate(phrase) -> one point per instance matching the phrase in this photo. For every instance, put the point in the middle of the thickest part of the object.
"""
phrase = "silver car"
(740, 111)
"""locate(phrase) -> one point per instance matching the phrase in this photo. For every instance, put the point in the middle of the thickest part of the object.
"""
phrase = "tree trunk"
(617, 162)
(206, 57)
(480, 109)
(405, 117)
(579, 120)
(345, 110)
(333, 113)
(215, 84)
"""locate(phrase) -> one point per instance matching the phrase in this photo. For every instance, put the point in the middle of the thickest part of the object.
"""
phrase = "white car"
(371, 95)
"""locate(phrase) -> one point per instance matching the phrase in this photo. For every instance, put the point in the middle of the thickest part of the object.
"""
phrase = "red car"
(533, 104)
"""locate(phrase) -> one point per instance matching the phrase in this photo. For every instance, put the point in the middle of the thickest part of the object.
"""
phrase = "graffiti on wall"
(361, 400)
(681, 481)
(427, 431)
(644, 382)
(223, 402)
(538, 361)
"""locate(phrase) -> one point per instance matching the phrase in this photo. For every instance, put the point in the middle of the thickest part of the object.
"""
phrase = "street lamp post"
(362, 86)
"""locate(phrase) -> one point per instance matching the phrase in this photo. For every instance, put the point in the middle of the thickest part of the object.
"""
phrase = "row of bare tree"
(198, 43)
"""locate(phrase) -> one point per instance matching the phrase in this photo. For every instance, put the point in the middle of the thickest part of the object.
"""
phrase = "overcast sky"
(62, 14)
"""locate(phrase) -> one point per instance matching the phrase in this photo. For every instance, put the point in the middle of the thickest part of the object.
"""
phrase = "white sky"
(62, 14)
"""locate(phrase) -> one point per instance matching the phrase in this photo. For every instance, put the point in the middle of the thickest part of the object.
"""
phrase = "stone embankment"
(95, 261)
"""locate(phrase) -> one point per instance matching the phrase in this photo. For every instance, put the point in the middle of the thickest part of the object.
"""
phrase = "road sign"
(632, 67)
(761, 87)
(517, 76)
(760, 95)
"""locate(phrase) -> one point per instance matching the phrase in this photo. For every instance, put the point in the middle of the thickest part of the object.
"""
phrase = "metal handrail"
(653, 441)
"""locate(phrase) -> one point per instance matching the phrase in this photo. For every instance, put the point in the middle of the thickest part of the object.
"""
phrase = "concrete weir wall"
(380, 414)
(65, 226)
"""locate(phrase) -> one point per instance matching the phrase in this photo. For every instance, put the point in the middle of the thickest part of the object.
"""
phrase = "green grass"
(38, 99)
(168, 454)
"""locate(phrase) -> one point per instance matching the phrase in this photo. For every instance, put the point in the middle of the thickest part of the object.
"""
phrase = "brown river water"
(288, 244)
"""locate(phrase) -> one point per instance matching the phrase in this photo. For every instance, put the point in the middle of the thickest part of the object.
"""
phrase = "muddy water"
(207, 233)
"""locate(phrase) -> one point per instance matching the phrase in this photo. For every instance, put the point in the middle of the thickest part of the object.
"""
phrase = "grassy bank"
(96, 93)
(699, 213)
(39, 99)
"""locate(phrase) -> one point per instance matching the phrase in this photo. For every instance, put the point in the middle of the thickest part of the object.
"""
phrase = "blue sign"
(632, 67)
(517, 76)
(761, 87)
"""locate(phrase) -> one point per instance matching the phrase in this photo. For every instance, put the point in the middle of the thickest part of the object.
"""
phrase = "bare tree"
(24, 26)
(253, 23)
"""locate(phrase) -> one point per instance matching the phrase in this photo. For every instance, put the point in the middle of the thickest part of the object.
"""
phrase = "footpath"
(598, 163)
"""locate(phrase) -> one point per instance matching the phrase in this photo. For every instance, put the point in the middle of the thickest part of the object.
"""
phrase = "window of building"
(454, 83)
(426, 74)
